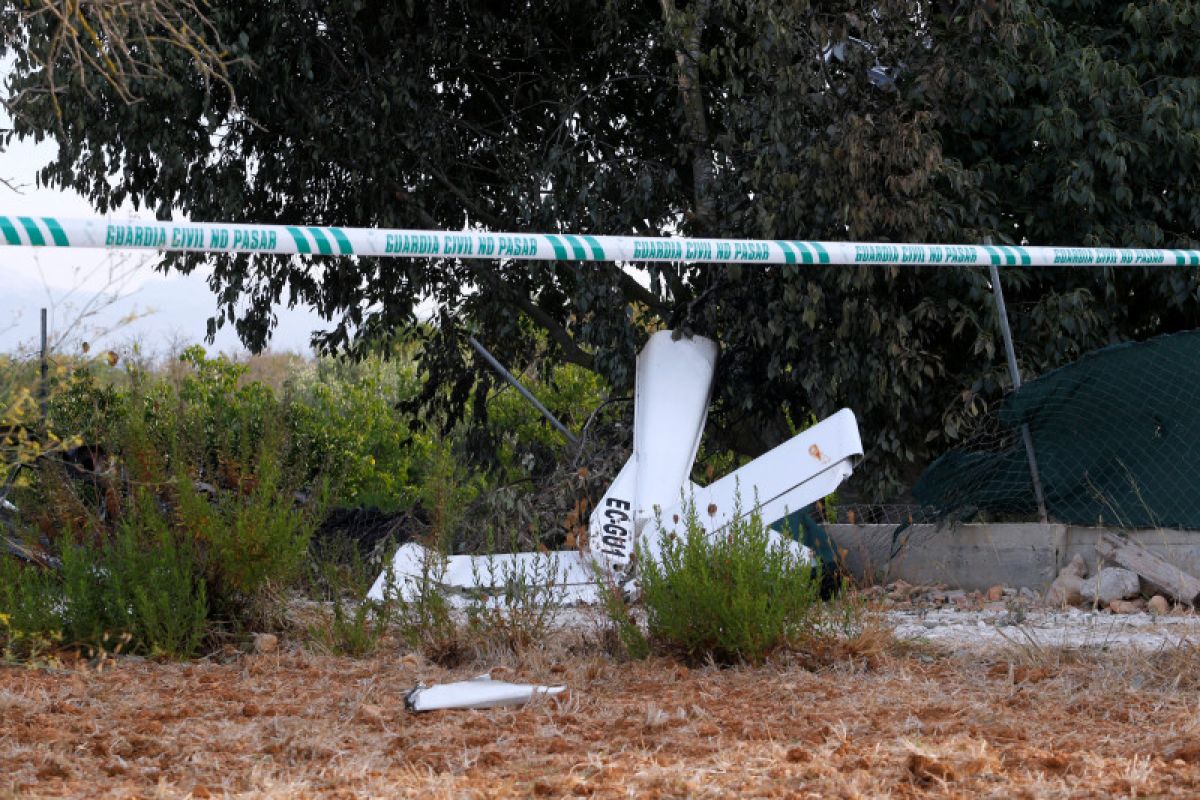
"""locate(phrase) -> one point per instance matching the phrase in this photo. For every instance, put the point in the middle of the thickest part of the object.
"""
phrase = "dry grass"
(882, 721)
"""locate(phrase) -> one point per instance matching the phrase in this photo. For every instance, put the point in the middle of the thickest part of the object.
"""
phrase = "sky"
(168, 310)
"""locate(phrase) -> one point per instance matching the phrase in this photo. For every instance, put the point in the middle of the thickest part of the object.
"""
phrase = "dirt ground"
(909, 722)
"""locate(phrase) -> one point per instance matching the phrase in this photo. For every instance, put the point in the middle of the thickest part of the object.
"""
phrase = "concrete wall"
(977, 556)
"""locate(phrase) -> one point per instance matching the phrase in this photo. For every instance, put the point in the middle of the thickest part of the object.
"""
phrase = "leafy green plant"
(730, 597)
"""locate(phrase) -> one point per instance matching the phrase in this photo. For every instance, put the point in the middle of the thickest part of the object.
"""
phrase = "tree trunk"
(687, 59)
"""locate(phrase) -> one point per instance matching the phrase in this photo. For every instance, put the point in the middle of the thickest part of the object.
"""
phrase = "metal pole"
(1013, 373)
(528, 395)
(44, 385)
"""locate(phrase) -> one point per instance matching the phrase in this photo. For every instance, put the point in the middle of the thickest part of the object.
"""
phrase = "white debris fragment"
(479, 692)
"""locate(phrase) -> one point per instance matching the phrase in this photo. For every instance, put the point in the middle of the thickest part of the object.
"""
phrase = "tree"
(749, 118)
(119, 42)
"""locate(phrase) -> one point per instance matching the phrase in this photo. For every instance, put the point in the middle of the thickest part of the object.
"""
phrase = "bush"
(140, 586)
(731, 598)
(30, 622)
(343, 423)
(185, 521)
(144, 582)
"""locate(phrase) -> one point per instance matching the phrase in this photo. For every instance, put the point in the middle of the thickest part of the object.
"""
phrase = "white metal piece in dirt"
(480, 692)
(647, 500)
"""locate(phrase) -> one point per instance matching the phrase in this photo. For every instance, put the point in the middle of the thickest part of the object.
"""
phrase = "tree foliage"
(1039, 121)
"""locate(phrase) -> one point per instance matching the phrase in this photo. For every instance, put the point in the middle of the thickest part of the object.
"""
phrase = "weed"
(353, 627)
(423, 615)
(624, 636)
(517, 615)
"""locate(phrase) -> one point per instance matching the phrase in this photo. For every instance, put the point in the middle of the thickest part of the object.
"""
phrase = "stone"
(995, 594)
(1112, 583)
(1066, 589)
(1125, 607)
(369, 712)
(901, 590)
(1077, 567)
(265, 642)
(1158, 605)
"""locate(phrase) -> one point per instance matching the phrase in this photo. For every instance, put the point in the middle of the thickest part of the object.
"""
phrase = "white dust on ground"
(1036, 628)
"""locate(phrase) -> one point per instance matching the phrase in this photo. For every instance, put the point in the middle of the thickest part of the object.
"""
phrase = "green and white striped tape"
(309, 240)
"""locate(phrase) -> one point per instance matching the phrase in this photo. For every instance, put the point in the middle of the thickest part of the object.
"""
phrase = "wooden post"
(1129, 554)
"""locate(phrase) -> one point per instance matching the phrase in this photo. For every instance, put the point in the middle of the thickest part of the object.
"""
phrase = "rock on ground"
(1127, 606)
(265, 642)
(1066, 589)
(1112, 583)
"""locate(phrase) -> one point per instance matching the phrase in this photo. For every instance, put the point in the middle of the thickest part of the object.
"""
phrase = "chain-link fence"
(1115, 441)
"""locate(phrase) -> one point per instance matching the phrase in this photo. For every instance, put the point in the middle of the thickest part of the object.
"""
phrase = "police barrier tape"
(310, 240)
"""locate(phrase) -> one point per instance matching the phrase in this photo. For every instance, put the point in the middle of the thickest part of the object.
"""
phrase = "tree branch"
(572, 352)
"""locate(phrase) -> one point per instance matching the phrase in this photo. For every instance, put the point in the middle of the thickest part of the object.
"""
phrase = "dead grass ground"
(913, 724)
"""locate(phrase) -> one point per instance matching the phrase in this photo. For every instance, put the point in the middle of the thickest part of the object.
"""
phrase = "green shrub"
(141, 585)
(257, 536)
(30, 622)
(143, 582)
(343, 423)
(188, 523)
(733, 597)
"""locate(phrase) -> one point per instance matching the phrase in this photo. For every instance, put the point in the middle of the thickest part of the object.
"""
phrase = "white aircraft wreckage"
(647, 500)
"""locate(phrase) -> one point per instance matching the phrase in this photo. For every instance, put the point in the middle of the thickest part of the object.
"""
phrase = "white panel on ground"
(481, 692)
